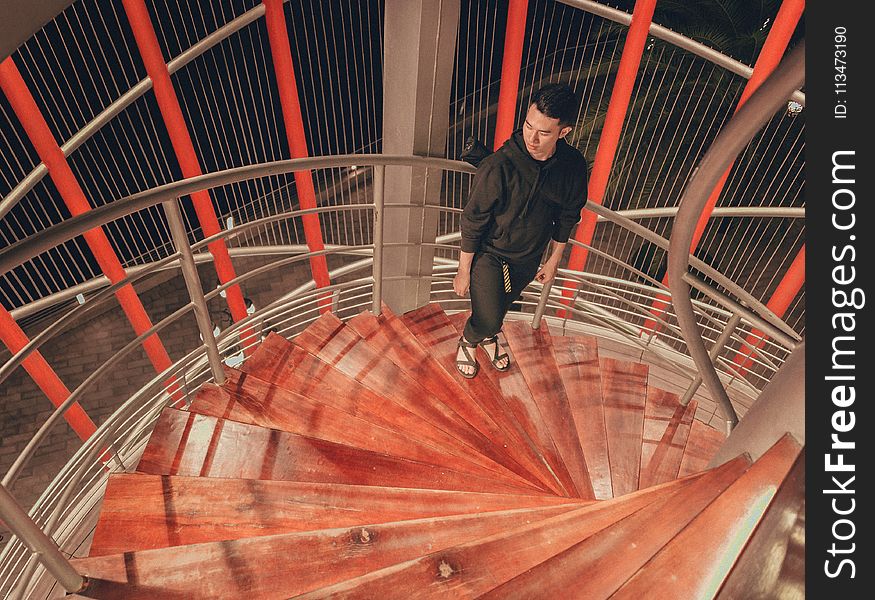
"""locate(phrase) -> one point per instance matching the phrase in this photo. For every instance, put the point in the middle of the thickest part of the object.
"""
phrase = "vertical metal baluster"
(195, 290)
(728, 330)
(44, 548)
(379, 218)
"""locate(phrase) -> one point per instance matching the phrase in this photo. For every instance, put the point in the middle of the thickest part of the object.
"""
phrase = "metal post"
(195, 291)
(542, 305)
(40, 544)
(763, 104)
(379, 201)
(728, 330)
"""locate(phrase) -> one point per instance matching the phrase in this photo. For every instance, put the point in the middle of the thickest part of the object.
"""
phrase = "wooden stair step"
(702, 444)
(337, 344)
(515, 394)
(440, 336)
(142, 511)
(189, 444)
(624, 390)
(714, 539)
(247, 399)
(259, 567)
(532, 351)
(578, 361)
(470, 569)
(603, 562)
(388, 336)
(280, 362)
(666, 429)
(772, 564)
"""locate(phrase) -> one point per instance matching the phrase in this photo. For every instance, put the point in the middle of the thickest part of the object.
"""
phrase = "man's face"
(541, 133)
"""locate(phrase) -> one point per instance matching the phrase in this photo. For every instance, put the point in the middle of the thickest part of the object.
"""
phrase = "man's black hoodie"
(517, 204)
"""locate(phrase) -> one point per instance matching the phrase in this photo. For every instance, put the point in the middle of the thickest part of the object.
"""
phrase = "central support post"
(420, 47)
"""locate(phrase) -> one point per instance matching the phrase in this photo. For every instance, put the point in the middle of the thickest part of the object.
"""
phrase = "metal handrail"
(768, 98)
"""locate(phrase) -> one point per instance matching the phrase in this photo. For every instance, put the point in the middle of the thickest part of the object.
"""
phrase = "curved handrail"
(24, 250)
(759, 108)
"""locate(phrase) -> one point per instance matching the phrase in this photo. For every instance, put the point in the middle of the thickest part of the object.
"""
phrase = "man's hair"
(557, 101)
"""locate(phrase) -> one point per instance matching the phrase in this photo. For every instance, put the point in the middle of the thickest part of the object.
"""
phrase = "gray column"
(780, 409)
(419, 52)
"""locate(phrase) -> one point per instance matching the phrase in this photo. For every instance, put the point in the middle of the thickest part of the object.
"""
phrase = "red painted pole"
(44, 376)
(168, 104)
(30, 116)
(517, 12)
(278, 37)
(780, 301)
(769, 57)
(609, 140)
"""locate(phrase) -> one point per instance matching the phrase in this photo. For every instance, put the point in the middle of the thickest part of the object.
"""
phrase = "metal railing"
(116, 446)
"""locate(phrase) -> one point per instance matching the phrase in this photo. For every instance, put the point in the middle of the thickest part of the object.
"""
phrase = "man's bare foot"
(466, 361)
(500, 360)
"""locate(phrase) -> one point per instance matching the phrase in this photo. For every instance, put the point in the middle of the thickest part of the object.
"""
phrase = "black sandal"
(468, 361)
(496, 357)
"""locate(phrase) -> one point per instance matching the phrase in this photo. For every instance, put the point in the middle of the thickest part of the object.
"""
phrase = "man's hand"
(461, 282)
(547, 273)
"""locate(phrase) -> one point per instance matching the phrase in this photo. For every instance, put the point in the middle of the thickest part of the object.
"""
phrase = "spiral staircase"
(353, 462)
(343, 455)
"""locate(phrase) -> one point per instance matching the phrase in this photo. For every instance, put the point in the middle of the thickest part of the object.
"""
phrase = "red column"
(769, 57)
(517, 12)
(65, 181)
(636, 39)
(780, 301)
(288, 92)
(44, 376)
(168, 103)
(773, 50)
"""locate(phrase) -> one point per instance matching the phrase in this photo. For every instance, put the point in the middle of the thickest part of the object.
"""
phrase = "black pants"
(489, 300)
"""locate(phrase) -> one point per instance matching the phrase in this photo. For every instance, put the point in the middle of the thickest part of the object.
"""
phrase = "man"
(531, 190)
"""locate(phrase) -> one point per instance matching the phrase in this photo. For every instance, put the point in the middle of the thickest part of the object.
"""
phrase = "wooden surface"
(577, 359)
(624, 389)
(141, 511)
(356, 462)
(520, 403)
(498, 392)
(196, 445)
(288, 366)
(282, 566)
(388, 336)
(702, 444)
(604, 561)
(247, 399)
(666, 429)
(715, 538)
(471, 569)
(772, 564)
(341, 347)
(533, 355)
